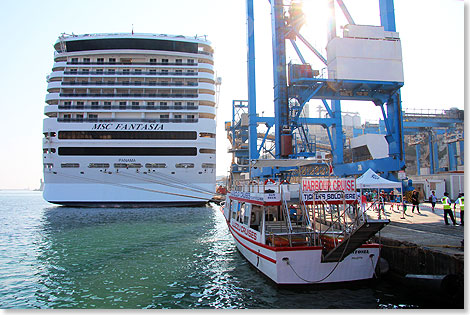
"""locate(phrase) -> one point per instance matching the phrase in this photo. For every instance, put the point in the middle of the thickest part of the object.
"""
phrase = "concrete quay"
(422, 246)
(422, 243)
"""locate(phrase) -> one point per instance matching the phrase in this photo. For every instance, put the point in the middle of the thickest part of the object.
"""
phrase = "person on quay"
(415, 201)
(433, 200)
(447, 211)
(459, 201)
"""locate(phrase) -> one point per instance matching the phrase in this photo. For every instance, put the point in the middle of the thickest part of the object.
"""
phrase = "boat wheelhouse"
(130, 120)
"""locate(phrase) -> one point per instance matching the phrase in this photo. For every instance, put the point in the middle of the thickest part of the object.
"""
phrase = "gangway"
(355, 240)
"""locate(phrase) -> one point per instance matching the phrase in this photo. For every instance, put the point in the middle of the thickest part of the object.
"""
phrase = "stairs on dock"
(357, 238)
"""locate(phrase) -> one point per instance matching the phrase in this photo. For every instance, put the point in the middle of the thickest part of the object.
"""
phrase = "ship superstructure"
(130, 120)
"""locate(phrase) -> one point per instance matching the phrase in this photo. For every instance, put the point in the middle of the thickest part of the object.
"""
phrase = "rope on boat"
(331, 272)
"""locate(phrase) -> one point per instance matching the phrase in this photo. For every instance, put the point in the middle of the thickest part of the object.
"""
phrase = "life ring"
(285, 181)
(269, 180)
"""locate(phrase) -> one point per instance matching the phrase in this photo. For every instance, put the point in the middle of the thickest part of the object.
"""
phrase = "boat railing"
(285, 209)
(334, 221)
(268, 186)
(290, 239)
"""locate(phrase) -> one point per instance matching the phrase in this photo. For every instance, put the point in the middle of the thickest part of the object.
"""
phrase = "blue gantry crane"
(343, 78)
(428, 128)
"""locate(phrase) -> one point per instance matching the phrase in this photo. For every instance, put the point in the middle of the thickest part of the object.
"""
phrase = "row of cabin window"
(125, 103)
(93, 116)
(128, 71)
(100, 60)
(130, 165)
(128, 82)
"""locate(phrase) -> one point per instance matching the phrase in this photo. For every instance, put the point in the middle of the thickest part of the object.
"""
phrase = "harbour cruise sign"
(331, 191)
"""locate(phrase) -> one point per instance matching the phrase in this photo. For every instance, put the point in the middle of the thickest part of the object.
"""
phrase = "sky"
(431, 32)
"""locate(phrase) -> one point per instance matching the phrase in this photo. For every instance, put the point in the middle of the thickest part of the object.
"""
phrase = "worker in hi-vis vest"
(459, 201)
(447, 211)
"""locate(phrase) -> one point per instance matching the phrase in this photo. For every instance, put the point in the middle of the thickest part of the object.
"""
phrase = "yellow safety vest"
(461, 203)
(446, 202)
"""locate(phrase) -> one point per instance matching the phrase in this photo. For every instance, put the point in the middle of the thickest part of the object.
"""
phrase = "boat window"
(247, 214)
(241, 214)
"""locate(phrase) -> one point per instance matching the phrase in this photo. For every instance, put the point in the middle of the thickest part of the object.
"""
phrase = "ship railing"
(175, 95)
(115, 107)
(133, 63)
(105, 73)
(129, 83)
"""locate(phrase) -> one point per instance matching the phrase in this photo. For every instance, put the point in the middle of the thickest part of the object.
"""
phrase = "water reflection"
(59, 257)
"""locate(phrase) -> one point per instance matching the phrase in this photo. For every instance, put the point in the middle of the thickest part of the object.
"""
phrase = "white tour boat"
(307, 232)
(130, 120)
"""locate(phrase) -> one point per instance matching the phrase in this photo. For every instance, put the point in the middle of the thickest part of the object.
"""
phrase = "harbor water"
(61, 257)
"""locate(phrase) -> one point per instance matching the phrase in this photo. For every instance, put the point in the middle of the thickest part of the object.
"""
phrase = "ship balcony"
(155, 96)
(140, 120)
(206, 67)
(119, 73)
(55, 97)
(52, 98)
(50, 109)
(120, 64)
(144, 108)
(144, 85)
(59, 66)
(55, 75)
(207, 110)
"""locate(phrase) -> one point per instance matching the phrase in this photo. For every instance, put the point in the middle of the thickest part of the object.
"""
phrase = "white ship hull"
(130, 121)
(136, 195)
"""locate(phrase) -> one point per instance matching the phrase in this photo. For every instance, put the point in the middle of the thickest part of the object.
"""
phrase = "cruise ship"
(130, 121)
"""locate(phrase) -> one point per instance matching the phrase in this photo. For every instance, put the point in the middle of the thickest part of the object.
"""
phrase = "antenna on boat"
(132, 29)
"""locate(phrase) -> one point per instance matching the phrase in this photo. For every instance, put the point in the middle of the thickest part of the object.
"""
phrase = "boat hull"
(303, 265)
